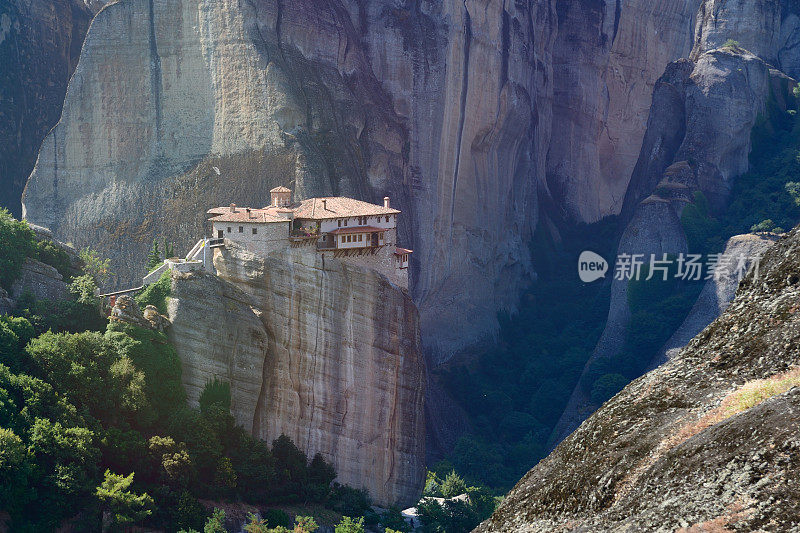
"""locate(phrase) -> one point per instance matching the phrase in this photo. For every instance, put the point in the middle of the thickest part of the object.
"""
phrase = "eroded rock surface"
(670, 451)
(446, 107)
(39, 47)
(326, 353)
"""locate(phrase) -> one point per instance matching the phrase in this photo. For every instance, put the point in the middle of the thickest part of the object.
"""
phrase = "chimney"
(386, 202)
(233, 208)
(248, 212)
(324, 204)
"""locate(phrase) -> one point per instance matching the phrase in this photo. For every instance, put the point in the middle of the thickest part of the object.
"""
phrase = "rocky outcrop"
(702, 114)
(39, 280)
(606, 60)
(325, 352)
(685, 446)
(655, 229)
(446, 107)
(39, 47)
(127, 310)
(741, 252)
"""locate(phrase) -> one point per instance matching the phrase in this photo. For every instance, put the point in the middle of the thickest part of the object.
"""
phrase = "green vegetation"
(157, 293)
(515, 391)
(95, 427)
(456, 516)
(767, 197)
(17, 241)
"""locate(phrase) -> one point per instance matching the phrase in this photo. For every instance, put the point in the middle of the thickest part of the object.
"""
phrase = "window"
(343, 239)
(340, 222)
(387, 218)
(345, 222)
(220, 233)
(381, 237)
(229, 229)
(255, 231)
(241, 229)
(360, 237)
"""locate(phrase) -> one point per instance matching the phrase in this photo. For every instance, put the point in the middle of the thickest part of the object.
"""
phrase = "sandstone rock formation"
(39, 280)
(324, 352)
(680, 447)
(606, 60)
(741, 252)
(448, 108)
(702, 114)
(39, 47)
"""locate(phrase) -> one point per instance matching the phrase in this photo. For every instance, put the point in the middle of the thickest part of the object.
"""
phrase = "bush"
(276, 518)
(54, 255)
(350, 525)
(216, 393)
(393, 519)
(606, 387)
(17, 241)
(157, 293)
(348, 501)
(453, 485)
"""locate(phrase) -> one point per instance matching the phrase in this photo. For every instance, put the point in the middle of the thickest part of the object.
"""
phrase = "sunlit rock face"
(446, 107)
(325, 352)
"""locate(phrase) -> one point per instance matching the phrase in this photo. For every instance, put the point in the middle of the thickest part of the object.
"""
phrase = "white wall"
(378, 222)
(269, 237)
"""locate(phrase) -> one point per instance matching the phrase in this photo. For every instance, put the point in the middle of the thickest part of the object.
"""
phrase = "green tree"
(119, 505)
(453, 485)
(154, 259)
(305, 524)
(95, 266)
(84, 289)
(215, 393)
(350, 525)
(17, 241)
(216, 524)
(393, 519)
(169, 250)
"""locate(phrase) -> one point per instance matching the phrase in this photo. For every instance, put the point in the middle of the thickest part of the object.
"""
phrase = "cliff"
(705, 442)
(446, 107)
(326, 353)
(39, 47)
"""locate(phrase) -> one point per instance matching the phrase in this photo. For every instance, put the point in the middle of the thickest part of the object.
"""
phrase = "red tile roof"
(280, 188)
(357, 229)
(311, 209)
(339, 207)
(255, 216)
(401, 251)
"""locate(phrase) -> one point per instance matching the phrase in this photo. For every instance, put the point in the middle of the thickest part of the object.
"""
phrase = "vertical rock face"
(606, 60)
(446, 107)
(326, 353)
(39, 47)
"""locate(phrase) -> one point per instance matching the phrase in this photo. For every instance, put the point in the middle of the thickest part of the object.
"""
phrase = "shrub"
(216, 393)
(393, 519)
(348, 501)
(276, 518)
(157, 293)
(17, 241)
(350, 525)
(453, 485)
(95, 266)
(54, 255)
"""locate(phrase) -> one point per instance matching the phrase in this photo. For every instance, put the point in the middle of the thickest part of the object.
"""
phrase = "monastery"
(349, 230)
